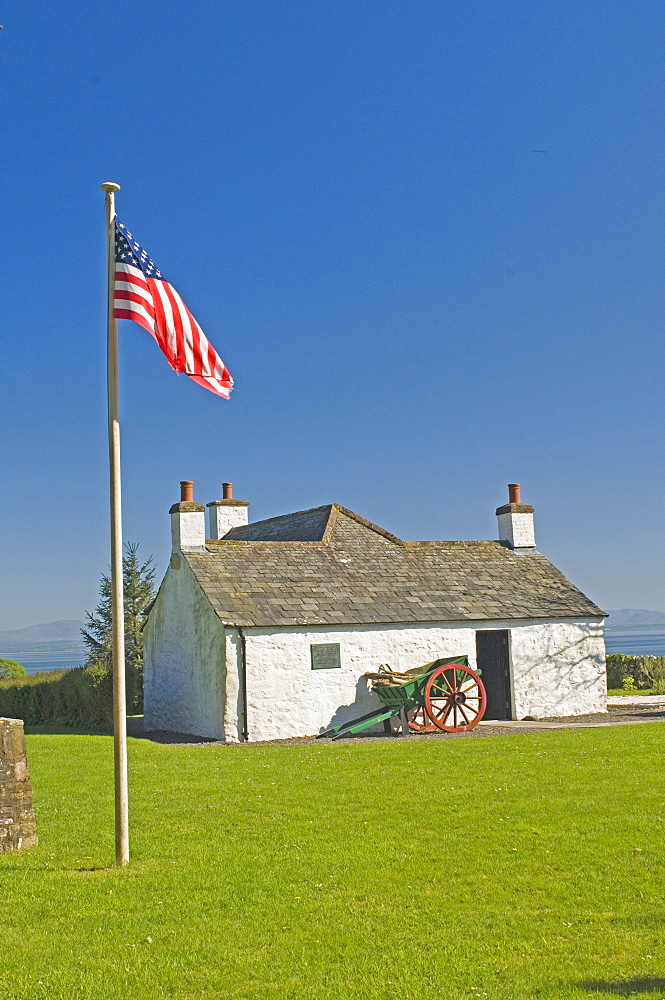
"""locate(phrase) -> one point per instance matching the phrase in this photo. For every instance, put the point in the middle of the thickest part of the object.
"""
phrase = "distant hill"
(63, 635)
(635, 618)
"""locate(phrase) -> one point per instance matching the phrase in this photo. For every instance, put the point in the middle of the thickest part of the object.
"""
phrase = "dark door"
(493, 658)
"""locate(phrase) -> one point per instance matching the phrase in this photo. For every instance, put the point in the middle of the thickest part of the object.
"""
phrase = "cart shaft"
(363, 722)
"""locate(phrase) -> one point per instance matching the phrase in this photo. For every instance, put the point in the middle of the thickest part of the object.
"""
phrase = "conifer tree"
(139, 591)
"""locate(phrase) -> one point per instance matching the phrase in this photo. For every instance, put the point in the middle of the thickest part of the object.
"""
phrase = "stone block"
(17, 818)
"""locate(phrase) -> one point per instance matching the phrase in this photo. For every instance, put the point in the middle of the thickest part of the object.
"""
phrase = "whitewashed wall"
(517, 529)
(285, 697)
(184, 659)
(558, 668)
(193, 667)
(233, 707)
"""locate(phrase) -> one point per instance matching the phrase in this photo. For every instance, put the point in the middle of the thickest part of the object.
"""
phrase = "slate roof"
(328, 566)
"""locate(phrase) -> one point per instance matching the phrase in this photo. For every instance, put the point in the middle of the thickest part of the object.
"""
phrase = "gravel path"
(616, 715)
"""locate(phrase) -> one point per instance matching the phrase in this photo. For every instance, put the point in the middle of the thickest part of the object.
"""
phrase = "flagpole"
(119, 696)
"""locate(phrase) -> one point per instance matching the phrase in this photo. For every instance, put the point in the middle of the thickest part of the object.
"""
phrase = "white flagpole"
(119, 697)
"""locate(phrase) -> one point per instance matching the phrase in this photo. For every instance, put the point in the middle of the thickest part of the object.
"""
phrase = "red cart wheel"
(419, 720)
(455, 698)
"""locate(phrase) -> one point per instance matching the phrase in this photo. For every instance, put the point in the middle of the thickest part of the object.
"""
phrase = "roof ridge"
(292, 513)
(333, 509)
(367, 524)
(456, 541)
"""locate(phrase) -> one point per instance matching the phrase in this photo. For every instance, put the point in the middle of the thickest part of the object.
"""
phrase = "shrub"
(617, 669)
(81, 697)
(653, 668)
(636, 672)
(10, 669)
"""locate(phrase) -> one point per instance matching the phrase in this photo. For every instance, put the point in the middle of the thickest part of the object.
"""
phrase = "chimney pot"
(227, 491)
(514, 493)
(186, 491)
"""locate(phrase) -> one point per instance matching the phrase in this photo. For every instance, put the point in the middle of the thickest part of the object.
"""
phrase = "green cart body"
(399, 699)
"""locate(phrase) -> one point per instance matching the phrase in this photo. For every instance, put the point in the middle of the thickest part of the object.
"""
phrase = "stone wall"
(17, 818)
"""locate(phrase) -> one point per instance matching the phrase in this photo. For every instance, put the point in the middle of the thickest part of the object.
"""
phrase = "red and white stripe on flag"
(141, 294)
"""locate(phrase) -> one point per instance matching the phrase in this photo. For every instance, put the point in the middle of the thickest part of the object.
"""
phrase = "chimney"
(188, 521)
(226, 513)
(516, 528)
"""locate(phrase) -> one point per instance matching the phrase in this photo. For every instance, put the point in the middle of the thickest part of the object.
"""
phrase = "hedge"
(641, 672)
(80, 697)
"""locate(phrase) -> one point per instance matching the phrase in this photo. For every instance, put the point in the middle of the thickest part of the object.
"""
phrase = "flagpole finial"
(110, 186)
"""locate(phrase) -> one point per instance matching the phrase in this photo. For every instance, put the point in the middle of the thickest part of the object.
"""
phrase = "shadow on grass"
(134, 728)
(627, 987)
(43, 866)
(56, 729)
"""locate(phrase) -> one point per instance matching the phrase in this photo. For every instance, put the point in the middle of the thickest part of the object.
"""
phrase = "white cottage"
(264, 631)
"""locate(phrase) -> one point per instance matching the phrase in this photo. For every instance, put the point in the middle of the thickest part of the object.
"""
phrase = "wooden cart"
(446, 694)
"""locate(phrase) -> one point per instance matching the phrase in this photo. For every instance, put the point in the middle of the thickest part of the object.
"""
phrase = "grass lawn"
(507, 867)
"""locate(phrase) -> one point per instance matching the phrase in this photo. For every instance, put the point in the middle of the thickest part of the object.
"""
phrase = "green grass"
(507, 867)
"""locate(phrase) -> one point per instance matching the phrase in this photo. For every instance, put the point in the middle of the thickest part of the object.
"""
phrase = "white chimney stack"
(226, 513)
(188, 521)
(516, 529)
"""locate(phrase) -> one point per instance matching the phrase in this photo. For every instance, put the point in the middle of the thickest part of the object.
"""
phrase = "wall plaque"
(325, 656)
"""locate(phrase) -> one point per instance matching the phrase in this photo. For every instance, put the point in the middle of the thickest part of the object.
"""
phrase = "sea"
(646, 641)
(34, 662)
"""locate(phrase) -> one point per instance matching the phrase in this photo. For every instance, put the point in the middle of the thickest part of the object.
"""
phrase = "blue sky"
(416, 307)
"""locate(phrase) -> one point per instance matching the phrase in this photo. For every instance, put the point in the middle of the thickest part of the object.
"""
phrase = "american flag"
(142, 294)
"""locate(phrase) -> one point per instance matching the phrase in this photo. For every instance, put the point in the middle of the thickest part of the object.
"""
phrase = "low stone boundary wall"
(17, 818)
(645, 699)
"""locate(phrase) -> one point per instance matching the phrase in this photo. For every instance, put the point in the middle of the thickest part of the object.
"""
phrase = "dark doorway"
(493, 658)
